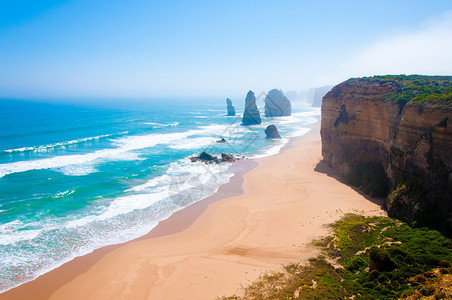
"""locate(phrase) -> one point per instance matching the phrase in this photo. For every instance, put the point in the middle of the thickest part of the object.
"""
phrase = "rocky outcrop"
(226, 157)
(251, 115)
(231, 109)
(212, 159)
(384, 120)
(277, 105)
(272, 132)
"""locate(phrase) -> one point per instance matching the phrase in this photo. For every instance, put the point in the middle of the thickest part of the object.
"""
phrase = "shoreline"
(176, 222)
(45, 284)
(51, 283)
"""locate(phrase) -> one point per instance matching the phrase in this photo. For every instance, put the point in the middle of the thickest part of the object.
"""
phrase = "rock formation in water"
(212, 159)
(231, 109)
(251, 115)
(205, 158)
(400, 125)
(277, 105)
(226, 157)
(272, 132)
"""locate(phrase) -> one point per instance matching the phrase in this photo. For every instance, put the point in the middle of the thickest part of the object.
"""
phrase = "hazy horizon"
(114, 50)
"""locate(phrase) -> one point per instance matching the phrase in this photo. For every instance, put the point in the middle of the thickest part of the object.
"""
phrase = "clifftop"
(402, 89)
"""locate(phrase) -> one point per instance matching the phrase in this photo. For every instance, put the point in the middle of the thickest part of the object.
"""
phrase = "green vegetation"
(371, 177)
(416, 89)
(398, 193)
(366, 258)
(433, 284)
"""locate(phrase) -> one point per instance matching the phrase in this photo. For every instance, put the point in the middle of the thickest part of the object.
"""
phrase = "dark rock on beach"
(251, 115)
(231, 109)
(277, 105)
(272, 132)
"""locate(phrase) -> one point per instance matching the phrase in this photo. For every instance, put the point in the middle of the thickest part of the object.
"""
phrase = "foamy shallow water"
(86, 178)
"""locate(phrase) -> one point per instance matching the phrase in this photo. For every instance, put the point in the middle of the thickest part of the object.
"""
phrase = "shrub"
(380, 260)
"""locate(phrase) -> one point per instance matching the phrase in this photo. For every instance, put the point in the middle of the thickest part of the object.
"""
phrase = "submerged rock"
(272, 132)
(211, 159)
(231, 109)
(277, 105)
(251, 115)
(221, 141)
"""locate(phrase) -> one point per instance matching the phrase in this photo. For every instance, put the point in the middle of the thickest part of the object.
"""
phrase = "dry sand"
(287, 201)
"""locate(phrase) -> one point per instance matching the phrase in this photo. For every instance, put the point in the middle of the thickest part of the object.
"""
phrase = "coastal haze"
(117, 119)
(141, 49)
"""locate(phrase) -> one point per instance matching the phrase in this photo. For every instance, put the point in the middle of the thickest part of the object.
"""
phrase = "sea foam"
(63, 144)
(151, 176)
(123, 151)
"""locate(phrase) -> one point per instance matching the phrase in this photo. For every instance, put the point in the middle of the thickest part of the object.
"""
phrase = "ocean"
(74, 178)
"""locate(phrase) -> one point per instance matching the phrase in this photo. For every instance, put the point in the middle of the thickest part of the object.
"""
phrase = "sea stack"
(272, 132)
(277, 105)
(251, 115)
(231, 109)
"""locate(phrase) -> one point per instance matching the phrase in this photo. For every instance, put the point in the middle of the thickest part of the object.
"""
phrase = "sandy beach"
(215, 247)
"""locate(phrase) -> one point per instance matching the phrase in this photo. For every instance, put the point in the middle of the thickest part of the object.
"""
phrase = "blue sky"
(137, 48)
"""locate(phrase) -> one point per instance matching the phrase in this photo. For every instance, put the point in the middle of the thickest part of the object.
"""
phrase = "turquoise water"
(76, 178)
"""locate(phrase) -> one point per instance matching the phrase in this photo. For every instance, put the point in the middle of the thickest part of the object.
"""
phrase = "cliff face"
(411, 140)
(251, 115)
(277, 105)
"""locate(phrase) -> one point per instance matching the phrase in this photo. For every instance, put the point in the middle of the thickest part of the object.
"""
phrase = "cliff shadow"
(324, 168)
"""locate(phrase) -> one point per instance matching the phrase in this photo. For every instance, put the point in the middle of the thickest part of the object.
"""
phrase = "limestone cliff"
(251, 115)
(402, 123)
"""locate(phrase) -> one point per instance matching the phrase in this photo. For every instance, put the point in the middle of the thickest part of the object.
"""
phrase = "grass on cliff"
(365, 258)
(419, 90)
